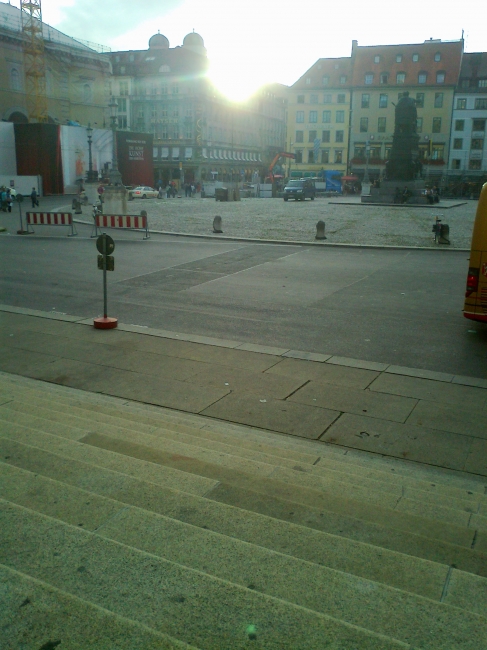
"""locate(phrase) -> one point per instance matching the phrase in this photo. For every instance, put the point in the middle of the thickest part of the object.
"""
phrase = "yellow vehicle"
(476, 294)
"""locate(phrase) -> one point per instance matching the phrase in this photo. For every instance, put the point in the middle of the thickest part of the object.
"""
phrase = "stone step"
(172, 599)
(351, 461)
(342, 596)
(316, 535)
(252, 449)
(395, 497)
(37, 615)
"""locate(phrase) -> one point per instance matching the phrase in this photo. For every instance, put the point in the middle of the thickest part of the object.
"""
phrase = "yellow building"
(318, 119)
(77, 75)
(381, 75)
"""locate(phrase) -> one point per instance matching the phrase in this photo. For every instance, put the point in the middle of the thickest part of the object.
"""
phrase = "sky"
(254, 42)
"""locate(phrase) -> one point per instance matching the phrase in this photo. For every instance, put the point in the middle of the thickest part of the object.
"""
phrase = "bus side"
(476, 294)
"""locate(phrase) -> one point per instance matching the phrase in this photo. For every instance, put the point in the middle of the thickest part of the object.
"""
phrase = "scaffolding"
(35, 65)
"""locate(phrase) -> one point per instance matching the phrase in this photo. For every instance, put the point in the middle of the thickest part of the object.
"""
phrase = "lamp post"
(92, 176)
(115, 176)
(367, 155)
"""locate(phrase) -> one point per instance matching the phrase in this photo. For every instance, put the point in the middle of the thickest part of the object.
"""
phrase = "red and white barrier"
(122, 221)
(51, 219)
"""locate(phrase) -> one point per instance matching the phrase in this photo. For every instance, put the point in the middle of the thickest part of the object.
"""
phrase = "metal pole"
(105, 308)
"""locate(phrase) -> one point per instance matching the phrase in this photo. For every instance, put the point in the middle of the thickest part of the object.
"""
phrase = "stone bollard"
(76, 206)
(217, 224)
(320, 230)
(444, 237)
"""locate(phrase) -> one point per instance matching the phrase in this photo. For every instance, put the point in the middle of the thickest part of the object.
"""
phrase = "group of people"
(402, 196)
(6, 199)
(190, 189)
(433, 195)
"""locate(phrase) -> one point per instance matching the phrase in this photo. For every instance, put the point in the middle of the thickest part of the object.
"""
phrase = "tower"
(35, 66)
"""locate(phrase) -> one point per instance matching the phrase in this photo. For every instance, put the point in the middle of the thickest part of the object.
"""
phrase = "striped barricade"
(121, 221)
(51, 219)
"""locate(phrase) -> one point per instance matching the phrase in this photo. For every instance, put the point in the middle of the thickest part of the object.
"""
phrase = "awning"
(349, 178)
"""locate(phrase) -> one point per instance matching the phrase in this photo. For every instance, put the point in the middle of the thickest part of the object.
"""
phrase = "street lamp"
(367, 154)
(115, 176)
(92, 176)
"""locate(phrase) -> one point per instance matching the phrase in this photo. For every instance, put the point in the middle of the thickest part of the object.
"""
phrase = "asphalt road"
(393, 306)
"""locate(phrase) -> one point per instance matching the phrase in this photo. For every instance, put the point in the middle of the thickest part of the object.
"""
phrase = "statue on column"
(404, 163)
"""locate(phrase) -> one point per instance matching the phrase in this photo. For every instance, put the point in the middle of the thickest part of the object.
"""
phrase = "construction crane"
(35, 65)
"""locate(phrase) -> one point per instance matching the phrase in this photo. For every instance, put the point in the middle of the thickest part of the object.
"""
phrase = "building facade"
(318, 118)
(76, 75)
(429, 73)
(468, 153)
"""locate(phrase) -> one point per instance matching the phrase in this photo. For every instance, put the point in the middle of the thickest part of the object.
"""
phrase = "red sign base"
(105, 323)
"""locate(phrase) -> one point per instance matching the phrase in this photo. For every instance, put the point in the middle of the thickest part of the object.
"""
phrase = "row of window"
(475, 143)
(325, 80)
(384, 100)
(414, 57)
(381, 125)
(473, 163)
(477, 125)
(325, 136)
(327, 98)
(401, 77)
(325, 117)
(323, 156)
(479, 103)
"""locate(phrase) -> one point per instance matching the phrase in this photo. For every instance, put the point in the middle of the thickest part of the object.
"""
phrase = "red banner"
(135, 161)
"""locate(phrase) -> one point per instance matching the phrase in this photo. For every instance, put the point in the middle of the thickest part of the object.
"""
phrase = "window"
(326, 117)
(438, 100)
(458, 143)
(382, 100)
(419, 100)
(369, 79)
(481, 103)
(440, 77)
(153, 89)
(359, 151)
(299, 117)
(437, 56)
(384, 78)
(15, 82)
(398, 58)
(308, 81)
(175, 89)
(482, 83)
(87, 94)
(365, 100)
(340, 117)
(400, 77)
(339, 136)
(381, 125)
(419, 125)
(163, 89)
(124, 88)
(122, 121)
(300, 99)
(437, 151)
(461, 103)
(436, 125)
(122, 105)
(311, 156)
(313, 117)
(474, 164)
(422, 76)
(415, 58)
(299, 136)
(311, 136)
(325, 136)
(376, 58)
(459, 125)
(340, 98)
(327, 99)
(338, 155)
(364, 124)
(477, 144)
(325, 80)
(313, 99)
(175, 112)
(478, 125)
(131, 58)
(325, 156)
(299, 156)
(455, 164)
(343, 79)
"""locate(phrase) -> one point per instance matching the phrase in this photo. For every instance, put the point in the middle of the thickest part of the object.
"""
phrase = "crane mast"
(35, 65)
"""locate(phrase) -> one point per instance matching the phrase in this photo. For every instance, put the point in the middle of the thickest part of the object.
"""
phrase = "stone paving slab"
(401, 440)
(275, 415)
(357, 363)
(349, 400)
(324, 373)
(461, 420)
(436, 391)
(309, 356)
(477, 458)
(418, 372)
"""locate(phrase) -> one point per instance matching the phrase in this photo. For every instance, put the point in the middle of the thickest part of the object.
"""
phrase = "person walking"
(33, 198)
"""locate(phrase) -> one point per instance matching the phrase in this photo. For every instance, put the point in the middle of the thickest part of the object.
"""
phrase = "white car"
(143, 192)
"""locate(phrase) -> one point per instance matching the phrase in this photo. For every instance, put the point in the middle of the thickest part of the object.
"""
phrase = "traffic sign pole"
(105, 244)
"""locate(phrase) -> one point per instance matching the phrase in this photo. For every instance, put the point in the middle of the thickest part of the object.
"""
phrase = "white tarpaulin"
(8, 161)
(75, 156)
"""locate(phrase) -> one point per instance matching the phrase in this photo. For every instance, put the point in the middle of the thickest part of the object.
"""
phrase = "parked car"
(300, 189)
(144, 192)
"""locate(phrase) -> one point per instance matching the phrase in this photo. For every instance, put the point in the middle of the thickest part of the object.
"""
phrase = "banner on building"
(135, 161)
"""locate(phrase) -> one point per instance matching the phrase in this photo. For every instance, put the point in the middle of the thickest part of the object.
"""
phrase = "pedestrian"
(168, 191)
(160, 193)
(33, 198)
(100, 191)
(3, 199)
(9, 200)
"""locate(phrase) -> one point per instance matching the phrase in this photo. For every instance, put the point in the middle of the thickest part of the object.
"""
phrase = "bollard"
(320, 230)
(217, 225)
(444, 237)
(76, 206)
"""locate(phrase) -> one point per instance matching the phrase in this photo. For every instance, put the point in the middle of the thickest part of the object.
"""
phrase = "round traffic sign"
(110, 244)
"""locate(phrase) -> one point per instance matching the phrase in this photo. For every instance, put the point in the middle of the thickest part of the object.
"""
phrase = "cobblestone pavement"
(296, 221)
